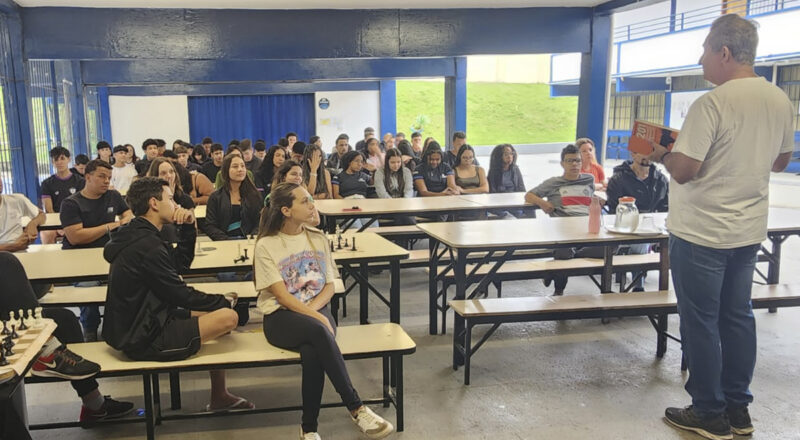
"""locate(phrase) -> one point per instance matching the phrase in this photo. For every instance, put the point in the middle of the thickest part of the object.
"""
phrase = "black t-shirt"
(350, 184)
(169, 232)
(435, 178)
(58, 189)
(142, 165)
(91, 212)
(210, 170)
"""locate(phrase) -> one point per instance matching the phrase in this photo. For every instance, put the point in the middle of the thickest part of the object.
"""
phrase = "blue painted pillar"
(388, 107)
(80, 140)
(105, 116)
(594, 85)
(23, 151)
(455, 100)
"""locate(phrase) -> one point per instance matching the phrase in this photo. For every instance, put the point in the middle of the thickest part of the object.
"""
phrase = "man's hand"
(183, 216)
(658, 152)
(232, 298)
(20, 244)
(31, 232)
(547, 206)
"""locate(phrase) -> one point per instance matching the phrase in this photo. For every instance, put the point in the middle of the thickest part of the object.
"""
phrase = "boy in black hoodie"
(151, 314)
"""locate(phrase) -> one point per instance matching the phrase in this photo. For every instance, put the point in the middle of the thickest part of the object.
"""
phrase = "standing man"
(733, 136)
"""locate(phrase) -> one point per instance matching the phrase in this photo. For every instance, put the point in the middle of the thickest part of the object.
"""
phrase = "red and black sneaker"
(64, 364)
(111, 409)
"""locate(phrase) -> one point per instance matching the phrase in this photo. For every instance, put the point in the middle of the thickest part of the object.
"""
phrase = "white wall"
(349, 112)
(136, 118)
(679, 106)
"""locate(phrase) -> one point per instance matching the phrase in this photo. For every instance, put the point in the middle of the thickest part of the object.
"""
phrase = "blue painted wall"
(199, 34)
(388, 107)
(594, 83)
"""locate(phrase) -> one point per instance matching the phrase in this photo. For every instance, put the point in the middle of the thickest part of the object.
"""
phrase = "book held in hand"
(644, 132)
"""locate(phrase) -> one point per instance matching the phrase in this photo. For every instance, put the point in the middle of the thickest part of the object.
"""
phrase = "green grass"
(496, 112)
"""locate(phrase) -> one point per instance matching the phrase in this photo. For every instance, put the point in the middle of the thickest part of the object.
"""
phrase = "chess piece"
(12, 318)
(7, 347)
(339, 240)
(5, 329)
(39, 323)
(30, 318)
(346, 245)
(3, 360)
(339, 233)
(22, 325)
(331, 243)
(14, 334)
(354, 245)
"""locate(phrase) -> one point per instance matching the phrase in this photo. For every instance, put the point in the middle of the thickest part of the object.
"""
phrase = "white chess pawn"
(30, 318)
(39, 323)
(12, 320)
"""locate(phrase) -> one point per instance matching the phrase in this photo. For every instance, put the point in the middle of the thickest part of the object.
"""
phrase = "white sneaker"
(371, 424)
(308, 435)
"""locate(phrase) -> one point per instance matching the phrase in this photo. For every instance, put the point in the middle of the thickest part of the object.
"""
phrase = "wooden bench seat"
(497, 311)
(68, 296)
(406, 231)
(247, 350)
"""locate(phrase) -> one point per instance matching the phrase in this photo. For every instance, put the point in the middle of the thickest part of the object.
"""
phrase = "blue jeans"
(90, 315)
(639, 249)
(718, 330)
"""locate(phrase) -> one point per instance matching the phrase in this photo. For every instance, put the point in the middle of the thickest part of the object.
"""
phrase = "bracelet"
(663, 156)
(313, 174)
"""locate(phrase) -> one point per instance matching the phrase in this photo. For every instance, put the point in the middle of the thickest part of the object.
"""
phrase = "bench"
(536, 269)
(248, 350)
(655, 305)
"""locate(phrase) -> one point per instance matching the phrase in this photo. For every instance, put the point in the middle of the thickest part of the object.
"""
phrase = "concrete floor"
(552, 380)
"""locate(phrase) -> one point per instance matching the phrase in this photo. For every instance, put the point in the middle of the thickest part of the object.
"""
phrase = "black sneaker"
(714, 428)
(111, 409)
(740, 421)
(64, 364)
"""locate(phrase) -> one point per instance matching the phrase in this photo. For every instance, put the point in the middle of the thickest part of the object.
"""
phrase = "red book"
(644, 132)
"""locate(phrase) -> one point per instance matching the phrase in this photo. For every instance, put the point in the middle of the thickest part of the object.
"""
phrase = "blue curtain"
(267, 117)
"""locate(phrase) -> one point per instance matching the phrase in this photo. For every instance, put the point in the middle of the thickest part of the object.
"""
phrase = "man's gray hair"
(739, 35)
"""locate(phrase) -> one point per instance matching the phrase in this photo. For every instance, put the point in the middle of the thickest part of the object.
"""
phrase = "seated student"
(14, 210)
(361, 146)
(151, 314)
(201, 188)
(123, 173)
(80, 165)
(374, 155)
(589, 163)
(183, 158)
(296, 313)
(352, 182)
(55, 359)
(565, 196)
(131, 158)
(432, 176)
(291, 172)
(469, 177)
(150, 148)
(316, 179)
(184, 175)
(260, 151)
(298, 149)
(248, 155)
(335, 159)
(104, 152)
(265, 174)
(449, 157)
(388, 142)
(162, 146)
(416, 144)
(58, 187)
(232, 149)
(233, 210)
(211, 167)
(207, 142)
(394, 181)
(285, 145)
(291, 139)
(642, 180)
(164, 169)
(410, 159)
(315, 140)
(504, 176)
(88, 217)
(198, 156)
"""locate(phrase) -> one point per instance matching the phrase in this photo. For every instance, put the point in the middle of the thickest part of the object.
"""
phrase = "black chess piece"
(22, 325)
(3, 360)
(346, 244)
(331, 243)
(354, 245)
(14, 334)
(5, 329)
(7, 347)
(339, 245)
(245, 255)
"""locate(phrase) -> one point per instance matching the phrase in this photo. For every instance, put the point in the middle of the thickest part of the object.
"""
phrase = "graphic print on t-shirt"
(576, 199)
(303, 274)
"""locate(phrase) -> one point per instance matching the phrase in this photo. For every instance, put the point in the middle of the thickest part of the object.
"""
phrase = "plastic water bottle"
(595, 214)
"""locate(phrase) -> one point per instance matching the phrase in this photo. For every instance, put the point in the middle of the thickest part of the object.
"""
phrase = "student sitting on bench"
(294, 273)
(433, 177)
(58, 187)
(151, 314)
(565, 196)
(233, 209)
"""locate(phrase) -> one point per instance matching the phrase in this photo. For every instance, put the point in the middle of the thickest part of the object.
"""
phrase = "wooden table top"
(414, 205)
(497, 200)
(532, 232)
(784, 220)
(53, 219)
(50, 262)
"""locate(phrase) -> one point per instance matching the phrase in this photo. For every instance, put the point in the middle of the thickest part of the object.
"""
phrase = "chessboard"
(21, 340)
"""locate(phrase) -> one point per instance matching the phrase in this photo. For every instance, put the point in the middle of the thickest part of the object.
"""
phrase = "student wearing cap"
(150, 148)
(361, 145)
(123, 173)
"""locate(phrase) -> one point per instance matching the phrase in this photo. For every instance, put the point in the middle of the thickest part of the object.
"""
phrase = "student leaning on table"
(151, 314)
(14, 209)
(294, 273)
(731, 139)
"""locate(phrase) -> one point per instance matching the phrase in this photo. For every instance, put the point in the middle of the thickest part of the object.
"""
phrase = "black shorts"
(179, 339)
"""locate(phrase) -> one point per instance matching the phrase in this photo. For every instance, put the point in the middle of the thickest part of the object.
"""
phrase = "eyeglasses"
(571, 161)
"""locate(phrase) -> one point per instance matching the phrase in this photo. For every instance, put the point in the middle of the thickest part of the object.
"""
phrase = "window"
(7, 151)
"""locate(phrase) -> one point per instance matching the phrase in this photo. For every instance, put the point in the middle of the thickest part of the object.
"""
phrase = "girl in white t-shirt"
(294, 273)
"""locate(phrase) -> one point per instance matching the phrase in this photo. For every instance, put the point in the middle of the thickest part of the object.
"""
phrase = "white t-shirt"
(122, 177)
(13, 208)
(737, 130)
(303, 262)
